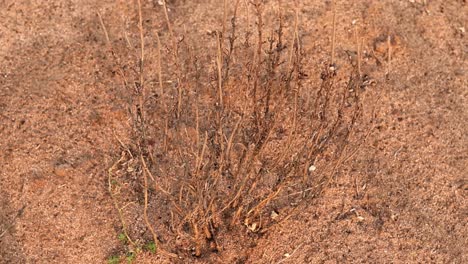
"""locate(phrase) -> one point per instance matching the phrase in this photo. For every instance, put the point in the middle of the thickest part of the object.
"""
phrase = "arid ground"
(401, 197)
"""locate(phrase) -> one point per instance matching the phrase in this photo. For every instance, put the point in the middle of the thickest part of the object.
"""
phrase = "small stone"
(253, 227)
(274, 215)
(312, 168)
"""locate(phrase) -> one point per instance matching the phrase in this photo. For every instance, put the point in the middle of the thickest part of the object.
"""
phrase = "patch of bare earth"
(57, 114)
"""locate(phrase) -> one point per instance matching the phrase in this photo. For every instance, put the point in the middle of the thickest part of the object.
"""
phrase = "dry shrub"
(227, 137)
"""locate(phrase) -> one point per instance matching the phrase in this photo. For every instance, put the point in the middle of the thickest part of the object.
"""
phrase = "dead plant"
(225, 145)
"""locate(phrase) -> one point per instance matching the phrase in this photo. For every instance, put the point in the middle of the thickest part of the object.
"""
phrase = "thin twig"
(333, 34)
(145, 210)
(114, 199)
(389, 59)
(104, 29)
(12, 223)
(219, 64)
(161, 88)
(358, 49)
(290, 255)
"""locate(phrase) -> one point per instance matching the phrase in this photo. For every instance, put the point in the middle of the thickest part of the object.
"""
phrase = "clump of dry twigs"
(233, 139)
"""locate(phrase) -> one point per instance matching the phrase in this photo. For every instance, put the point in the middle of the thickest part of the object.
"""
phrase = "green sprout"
(151, 247)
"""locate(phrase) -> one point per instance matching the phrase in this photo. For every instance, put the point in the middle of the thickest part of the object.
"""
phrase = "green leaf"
(113, 260)
(122, 238)
(131, 256)
(151, 247)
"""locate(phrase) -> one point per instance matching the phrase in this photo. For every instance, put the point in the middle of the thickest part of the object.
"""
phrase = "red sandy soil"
(402, 198)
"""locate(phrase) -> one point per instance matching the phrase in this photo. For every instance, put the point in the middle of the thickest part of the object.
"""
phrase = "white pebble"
(312, 168)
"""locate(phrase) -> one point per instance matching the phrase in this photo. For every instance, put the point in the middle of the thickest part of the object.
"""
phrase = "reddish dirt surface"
(400, 199)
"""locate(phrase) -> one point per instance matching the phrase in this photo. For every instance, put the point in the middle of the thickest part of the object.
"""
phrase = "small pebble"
(312, 168)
